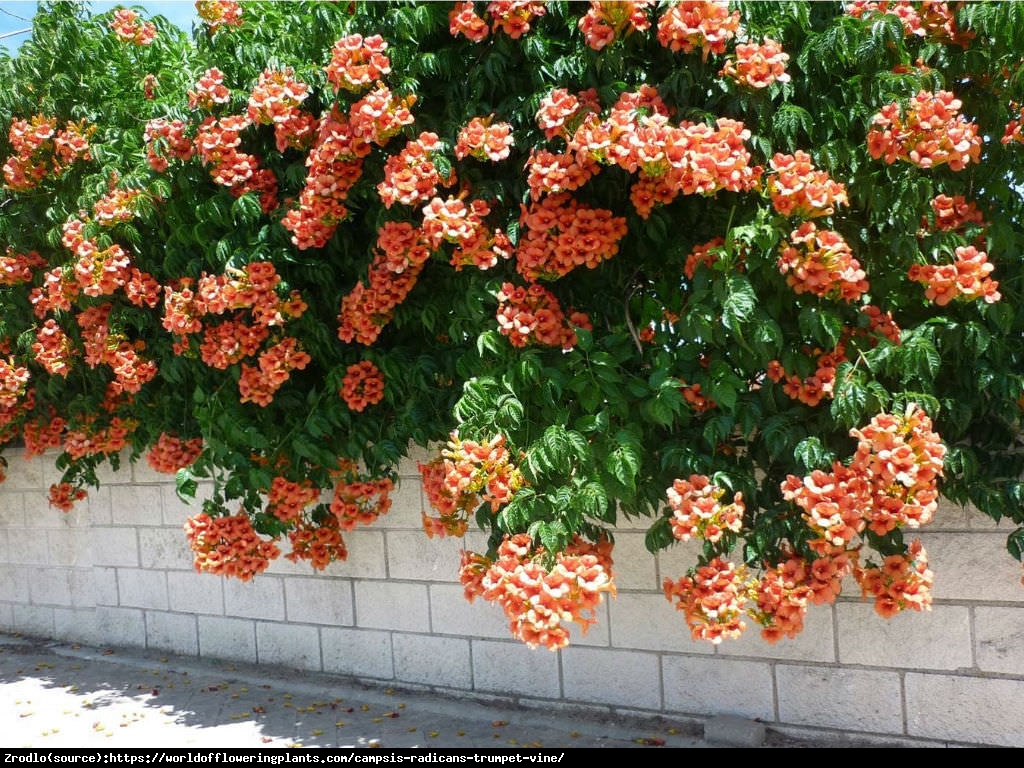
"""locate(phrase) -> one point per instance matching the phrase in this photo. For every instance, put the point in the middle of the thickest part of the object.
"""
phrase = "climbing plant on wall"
(749, 271)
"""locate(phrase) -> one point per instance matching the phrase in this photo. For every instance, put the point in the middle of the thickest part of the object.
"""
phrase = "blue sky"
(17, 15)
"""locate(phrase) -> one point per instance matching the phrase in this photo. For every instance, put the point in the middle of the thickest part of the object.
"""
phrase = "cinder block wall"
(117, 571)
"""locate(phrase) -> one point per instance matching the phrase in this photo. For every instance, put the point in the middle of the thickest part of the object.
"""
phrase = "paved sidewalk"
(63, 695)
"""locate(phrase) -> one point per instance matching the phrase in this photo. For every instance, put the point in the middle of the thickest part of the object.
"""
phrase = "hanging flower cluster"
(228, 546)
(692, 24)
(362, 386)
(533, 316)
(286, 499)
(395, 268)
(934, 19)
(219, 14)
(165, 138)
(559, 234)
(757, 66)
(929, 133)
(542, 600)
(901, 582)
(607, 20)
(713, 600)
(810, 390)
(483, 139)
(891, 482)
(359, 500)
(411, 177)
(357, 62)
(966, 279)
(129, 28)
(319, 544)
(170, 453)
(799, 189)
(697, 510)
(820, 262)
(40, 150)
(63, 496)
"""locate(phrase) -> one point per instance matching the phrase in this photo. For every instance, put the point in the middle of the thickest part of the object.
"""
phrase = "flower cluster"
(359, 500)
(697, 510)
(966, 279)
(797, 188)
(116, 207)
(258, 383)
(820, 262)
(52, 348)
(129, 27)
(42, 434)
(692, 24)
(606, 20)
(411, 177)
(890, 482)
(483, 139)
(166, 138)
(357, 62)
(810, 390)
(757, 66)
(335, 164)
(17, 268)
(533, 316)
(210, 91)
(540, 600)
(367, 308)
(561, 112)
(1015, 128)
(513, 17)
(92, 440)
(934, 19)
(930, 133)
(362, 386)
(559, 234)
(170, 453)
(320, 544)
(228, 546)
(900, 582)
(713, 600)
(63, 496)
(276, 97)
(40, 150)
(286, 498)
(954, 214)
(218, 14)
(217, 143)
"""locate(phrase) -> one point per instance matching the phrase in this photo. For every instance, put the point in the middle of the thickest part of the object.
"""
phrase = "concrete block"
(357, 652)
(34, 620)
(24, 474)
(172, 632)
(617, 678)
(815, 643)
(392, 605)
(176, 510)
(114, 546)
(122, 626)
(104, 585)
(733, 731)
(78, 625)
(290, 645)
(50, 586)
(261, 598)
(511, 668)
(407, 505)
(999, 634)
(82, 584)
(452, 614)
(164, 548)
(143, 474)
(224, 638)
(139, 588)
(846, 699)
(442, 661)
(412, 556)
(7, 617)
(954, 558)
(191, 592)
(319, 601)
(14, 581)
(98, 505)
(12, 508)
(598, 634)
(366, 558)
(649, 622)
(136, 505)
(702, 685)
(634, 567)
(70, 546)
(26, 546)
(970, 710)
(677, 560)
(936, 639)
(950, 517)
(979, 521)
